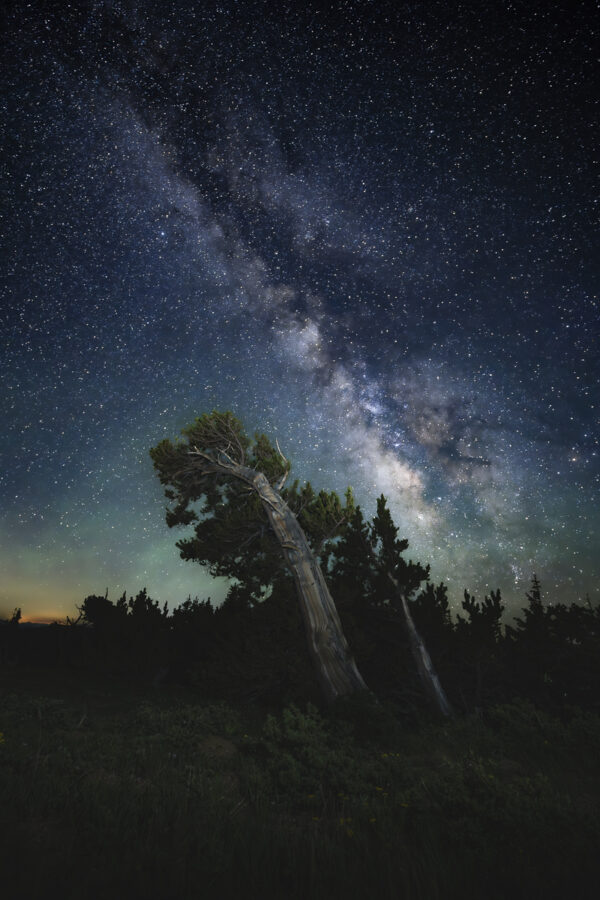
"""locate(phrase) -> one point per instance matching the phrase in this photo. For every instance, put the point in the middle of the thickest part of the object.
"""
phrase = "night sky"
(366, 228)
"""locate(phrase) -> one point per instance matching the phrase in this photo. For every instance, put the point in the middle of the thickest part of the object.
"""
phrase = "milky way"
(367, 231)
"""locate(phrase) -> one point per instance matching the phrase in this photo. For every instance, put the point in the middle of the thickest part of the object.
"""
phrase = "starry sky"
(367, 228)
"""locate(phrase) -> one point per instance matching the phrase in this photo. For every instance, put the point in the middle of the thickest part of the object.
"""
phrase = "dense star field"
(367, 229)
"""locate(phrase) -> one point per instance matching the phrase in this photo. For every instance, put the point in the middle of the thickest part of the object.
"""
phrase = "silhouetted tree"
(534, 624)
(405, 578)
(367, 565)
(478, 640)
(102, 613)
(484, 619)
(555, 651)
(431, 611)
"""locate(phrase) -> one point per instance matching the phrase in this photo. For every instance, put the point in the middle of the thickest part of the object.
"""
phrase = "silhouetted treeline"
(253, 647)
(255, 651)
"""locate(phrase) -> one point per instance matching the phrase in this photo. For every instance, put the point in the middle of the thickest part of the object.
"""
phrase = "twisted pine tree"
(232, 490)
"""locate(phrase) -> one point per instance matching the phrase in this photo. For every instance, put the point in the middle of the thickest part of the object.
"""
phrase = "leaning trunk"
(336, 670)
(425, 668)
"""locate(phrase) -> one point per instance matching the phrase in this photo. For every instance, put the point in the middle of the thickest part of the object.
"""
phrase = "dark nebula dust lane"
(370, 231)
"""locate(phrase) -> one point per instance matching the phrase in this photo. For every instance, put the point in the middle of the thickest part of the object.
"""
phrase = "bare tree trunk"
(336, 669)
(425, 667)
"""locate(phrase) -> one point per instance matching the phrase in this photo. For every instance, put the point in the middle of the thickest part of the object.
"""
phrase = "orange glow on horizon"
(43, 620)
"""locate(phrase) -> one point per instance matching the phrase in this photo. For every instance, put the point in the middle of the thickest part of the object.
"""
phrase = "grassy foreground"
(116, 790)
